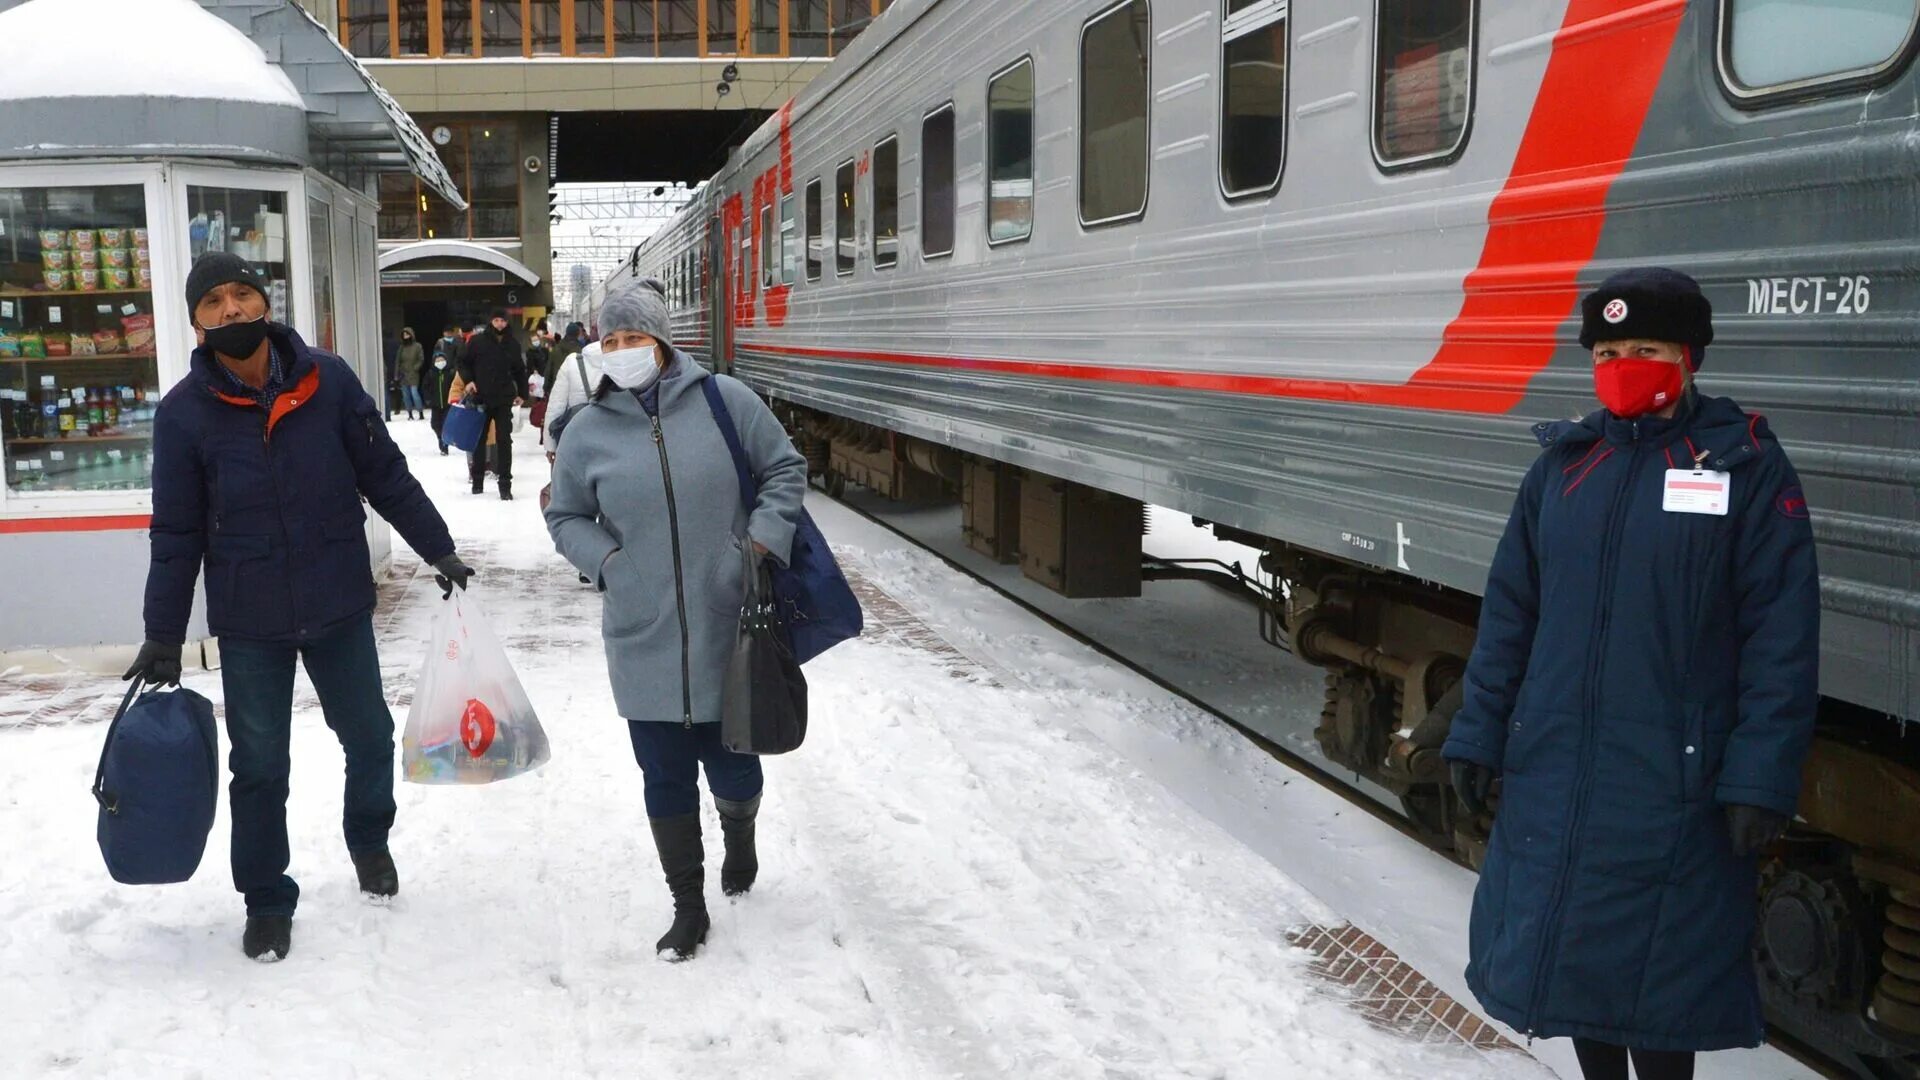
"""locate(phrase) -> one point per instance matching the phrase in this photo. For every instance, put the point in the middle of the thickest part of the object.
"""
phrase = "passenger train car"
(1308, 270)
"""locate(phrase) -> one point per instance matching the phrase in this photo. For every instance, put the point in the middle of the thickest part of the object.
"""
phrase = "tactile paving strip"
(1390, 993)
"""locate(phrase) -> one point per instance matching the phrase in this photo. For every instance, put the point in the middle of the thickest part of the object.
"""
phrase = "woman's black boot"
(741, 865)
(677, 839)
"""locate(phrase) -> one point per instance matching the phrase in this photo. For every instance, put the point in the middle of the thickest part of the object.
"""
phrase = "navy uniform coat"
(271, 503)
(1637, 671)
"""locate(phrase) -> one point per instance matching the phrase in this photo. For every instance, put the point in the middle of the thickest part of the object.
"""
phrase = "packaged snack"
(139, 331)
(83, 259)
(9, 344)
(113, 238)
(143, 277)
(138, 237)
(54, 259)
(33, 343)
(115, 257)
(58, 345)
(82, 344)
(80, 239)
(56, 280)
(86, 280)
(51, 239)
(111, 278)
(141, 257)
(106, 341)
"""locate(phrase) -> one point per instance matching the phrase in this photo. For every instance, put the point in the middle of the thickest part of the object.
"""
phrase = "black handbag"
(763, 704)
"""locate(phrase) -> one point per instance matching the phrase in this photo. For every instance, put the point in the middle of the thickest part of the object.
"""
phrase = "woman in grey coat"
(646, 502)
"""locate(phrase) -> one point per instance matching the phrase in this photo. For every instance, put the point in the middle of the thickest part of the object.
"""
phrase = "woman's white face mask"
(630, 366)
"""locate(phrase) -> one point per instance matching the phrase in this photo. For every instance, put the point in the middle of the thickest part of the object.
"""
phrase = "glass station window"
(789, 242)
(320, 239)
(365, 27)
(500, 28)
(845, 243)
(590, 27)
(632, 27)
(679, 27)
(1010, 154)
(456, 29)
(78, 361)
(722, 27)
(414, 40)
(816, 253)
(886, 203)
(1423, 80)
(1253, 101)
(543, 27)
(250, 224)
(1783, 44)
(936, 183)
(1115, 88)
(807, 28)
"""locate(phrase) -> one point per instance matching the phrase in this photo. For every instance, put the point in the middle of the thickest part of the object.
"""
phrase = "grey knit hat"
(640, 306)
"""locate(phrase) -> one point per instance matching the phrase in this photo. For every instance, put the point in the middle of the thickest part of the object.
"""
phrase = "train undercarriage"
(1839, 940)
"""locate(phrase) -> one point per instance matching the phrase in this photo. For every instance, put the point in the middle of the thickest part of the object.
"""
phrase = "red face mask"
(1631, 387)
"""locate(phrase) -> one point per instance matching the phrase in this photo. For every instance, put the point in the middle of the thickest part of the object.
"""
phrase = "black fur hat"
(1649, 302)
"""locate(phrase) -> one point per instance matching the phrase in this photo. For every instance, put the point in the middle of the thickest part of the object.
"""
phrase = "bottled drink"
(96, 411)
(49, 409)
(63, 416)
(7, 420)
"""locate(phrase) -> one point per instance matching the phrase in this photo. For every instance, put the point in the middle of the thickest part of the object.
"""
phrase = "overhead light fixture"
(730, 73)
(722, 89)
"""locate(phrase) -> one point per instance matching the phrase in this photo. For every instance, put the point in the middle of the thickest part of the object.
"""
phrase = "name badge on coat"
(1695, 491)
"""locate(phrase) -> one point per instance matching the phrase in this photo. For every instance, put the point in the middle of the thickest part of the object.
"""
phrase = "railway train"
(1308, 270)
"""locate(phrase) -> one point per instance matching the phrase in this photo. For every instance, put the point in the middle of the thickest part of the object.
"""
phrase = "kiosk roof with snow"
(232, 80)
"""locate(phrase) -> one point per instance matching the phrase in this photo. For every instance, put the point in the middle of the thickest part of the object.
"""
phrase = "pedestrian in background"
(539, 354)
(564, 348)
(1644, 685)
(661, 534)
(262, 455)
(438, 380)
(412, 361)
(495, 370)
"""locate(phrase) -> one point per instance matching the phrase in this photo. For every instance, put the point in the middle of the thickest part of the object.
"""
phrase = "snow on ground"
(959, 880)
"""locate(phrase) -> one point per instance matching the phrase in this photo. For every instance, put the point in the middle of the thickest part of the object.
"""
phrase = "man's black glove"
(157, 664)
(1472, 782)
(1753, 827)
(452, 572)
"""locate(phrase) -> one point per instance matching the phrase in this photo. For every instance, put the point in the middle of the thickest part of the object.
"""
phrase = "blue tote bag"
(464, 427)
(810, 593)
(157, 785)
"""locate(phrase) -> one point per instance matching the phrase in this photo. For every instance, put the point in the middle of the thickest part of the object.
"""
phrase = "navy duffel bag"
(158, 782)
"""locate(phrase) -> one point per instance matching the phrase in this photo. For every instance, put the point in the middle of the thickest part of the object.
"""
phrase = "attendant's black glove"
(1472, 782)
(157, 664)
(452, 572)
(1753, 827)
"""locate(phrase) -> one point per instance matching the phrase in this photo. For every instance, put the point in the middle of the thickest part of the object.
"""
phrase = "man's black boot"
(268, 938)
(741, 865)
(379, 878)
(677, 839)
(506, 490)
(479, 484)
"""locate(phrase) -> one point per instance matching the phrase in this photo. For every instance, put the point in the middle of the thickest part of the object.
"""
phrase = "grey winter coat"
(664, 543)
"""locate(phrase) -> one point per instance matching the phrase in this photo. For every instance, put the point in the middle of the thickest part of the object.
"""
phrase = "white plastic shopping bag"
(471, 721)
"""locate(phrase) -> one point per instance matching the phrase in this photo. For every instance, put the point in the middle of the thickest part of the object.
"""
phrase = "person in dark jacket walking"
(495, 369)
(1644, 686)
(661, 534)
(412, 361)
(261, 457)
(540, 354)
(436, 382)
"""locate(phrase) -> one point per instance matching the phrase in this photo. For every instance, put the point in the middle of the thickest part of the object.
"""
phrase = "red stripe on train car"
(77, 524)
(1543, 230)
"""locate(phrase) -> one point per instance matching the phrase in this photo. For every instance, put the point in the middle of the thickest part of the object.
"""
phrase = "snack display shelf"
(85, 356)
(81, 440)
(29, 294)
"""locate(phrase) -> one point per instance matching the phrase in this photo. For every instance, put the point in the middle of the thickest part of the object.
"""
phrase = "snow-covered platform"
(998, 855)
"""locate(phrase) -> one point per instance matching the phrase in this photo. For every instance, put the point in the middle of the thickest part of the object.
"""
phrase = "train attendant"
(1644, 686)
(660, 533)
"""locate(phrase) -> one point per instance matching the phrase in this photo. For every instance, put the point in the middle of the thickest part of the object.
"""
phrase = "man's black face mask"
(238, 340)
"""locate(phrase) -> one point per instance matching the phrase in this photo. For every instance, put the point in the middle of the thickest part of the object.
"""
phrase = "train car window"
(1779, 48)
(1115, 90)
(789, 241)
(816, 253)
(936, 183)
(886, 202)
(769, 251)
(1253, 97)
(1422, 80)
(845, 244)
(1010, 154)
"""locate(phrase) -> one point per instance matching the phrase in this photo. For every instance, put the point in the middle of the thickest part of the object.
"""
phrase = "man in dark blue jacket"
(1644, 684)
(261, 457)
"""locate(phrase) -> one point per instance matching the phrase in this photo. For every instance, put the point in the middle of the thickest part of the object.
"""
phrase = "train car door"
(719, 297)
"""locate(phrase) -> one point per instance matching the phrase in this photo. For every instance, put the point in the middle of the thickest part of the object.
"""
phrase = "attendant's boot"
(379, 878)
(677, 839)
(741, 865)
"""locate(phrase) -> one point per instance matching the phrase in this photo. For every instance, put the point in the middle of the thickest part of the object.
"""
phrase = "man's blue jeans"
(258, 676)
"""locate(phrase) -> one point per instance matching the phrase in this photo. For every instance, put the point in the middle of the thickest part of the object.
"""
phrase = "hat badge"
(1615, 312)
